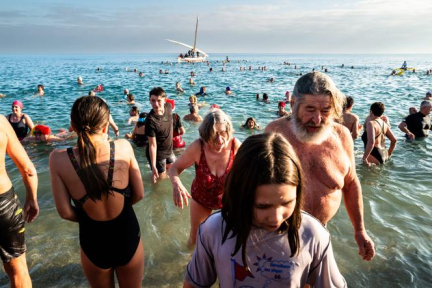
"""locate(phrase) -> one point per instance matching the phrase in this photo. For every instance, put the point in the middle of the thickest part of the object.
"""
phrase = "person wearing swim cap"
(80, 81)
(228, 90)
(20, 122)
(281, 110)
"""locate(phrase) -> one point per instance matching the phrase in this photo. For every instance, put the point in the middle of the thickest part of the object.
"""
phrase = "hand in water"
(155, 175)
(31, 210)
(366, 245)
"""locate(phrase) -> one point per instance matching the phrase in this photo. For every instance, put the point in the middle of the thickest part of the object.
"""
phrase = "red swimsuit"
(207, 189)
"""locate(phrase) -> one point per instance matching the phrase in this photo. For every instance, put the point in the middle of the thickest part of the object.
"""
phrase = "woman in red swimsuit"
(212, 154)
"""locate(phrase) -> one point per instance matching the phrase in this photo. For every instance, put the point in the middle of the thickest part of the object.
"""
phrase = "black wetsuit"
(381, 154)
(418, 124)
(21, 129)
(113, 242)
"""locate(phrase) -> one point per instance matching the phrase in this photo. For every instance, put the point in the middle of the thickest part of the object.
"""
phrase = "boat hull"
(191, 59)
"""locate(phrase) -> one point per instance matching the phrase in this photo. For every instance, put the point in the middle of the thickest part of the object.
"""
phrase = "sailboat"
(194, 54)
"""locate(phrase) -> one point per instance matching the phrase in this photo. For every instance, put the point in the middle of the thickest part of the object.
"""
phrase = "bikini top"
(125, 191)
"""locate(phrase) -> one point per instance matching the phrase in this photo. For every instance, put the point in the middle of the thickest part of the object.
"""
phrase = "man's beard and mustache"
(300, 130)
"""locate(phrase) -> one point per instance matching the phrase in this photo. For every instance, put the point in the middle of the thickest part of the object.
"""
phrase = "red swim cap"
(42, 129)
(18, 103)
(281, 104)
(214, 106)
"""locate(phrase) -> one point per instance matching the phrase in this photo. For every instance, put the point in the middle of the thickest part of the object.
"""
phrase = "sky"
(235, 26)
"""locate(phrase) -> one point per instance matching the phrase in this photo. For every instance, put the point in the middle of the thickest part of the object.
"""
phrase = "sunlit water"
(397, 196)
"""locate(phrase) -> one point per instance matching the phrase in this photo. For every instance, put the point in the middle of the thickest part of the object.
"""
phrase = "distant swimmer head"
(228, 88)
(80, 80)
(281, 104)
(412, 110)
(429, 93)
(193, 99)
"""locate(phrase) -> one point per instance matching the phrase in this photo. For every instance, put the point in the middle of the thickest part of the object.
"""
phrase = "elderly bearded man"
(325, 149)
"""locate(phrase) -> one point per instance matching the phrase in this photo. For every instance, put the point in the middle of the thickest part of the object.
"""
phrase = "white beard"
(300, 132)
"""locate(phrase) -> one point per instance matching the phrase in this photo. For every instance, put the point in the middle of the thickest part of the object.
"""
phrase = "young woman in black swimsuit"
(103, 180)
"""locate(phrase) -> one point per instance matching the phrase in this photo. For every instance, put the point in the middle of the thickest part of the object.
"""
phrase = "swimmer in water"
(251, 124)
(41, 91)
(228, 90)
(80, 80)
(130, 99)
(281, 110)
(134, 115)
(42, 133)
(179, 88)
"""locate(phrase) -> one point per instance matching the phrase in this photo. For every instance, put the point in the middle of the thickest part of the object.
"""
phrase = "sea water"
(397, 196)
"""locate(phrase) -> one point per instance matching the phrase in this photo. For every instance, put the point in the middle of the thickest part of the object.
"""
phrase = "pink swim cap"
(214, 106)
(18, 103)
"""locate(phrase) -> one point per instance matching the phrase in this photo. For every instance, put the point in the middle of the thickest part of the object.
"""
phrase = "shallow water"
(397, 196)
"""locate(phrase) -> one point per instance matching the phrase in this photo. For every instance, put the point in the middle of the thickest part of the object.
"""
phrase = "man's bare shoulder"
(344, 135)
(278, 126)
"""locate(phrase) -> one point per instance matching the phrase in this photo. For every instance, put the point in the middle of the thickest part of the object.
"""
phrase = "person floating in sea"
(179, 89)
(281, 110)
(130, 99)
(212, 154)
(41, 90)
(261, 237)
(314, 134)
(202, 92)
(228, 90)
(43, 134)
(418, 125)
(373, 137)
(193, 116)
(20, 122)
(266, 98)
(191, 82)
(251, 124)
(349, 119)
(428, 95)
(80, 80)
(133, 115)
(12, 215)
(103, 183)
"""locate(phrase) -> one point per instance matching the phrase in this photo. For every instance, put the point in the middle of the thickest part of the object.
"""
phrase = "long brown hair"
(262, 159)
(90, 115)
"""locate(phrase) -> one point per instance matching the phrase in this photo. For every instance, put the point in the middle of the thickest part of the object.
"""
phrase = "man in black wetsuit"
(417, 125)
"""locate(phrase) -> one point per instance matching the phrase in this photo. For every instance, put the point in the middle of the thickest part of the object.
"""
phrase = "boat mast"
(196, 31)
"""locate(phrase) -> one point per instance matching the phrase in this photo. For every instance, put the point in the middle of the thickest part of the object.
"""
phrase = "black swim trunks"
(12, 243)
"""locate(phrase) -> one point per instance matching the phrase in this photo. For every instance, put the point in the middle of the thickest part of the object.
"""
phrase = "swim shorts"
(161, 163)
(12, 243)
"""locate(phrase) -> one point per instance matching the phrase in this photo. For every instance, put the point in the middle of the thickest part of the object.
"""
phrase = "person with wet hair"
(103, 180)
(212, 154)
(326, 152)
(261, 238)
(349, 119)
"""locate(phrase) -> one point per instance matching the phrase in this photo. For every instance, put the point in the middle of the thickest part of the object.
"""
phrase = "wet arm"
(114, 126)
(28, 172)
(353, 199)
(355, 129)
(393, 141)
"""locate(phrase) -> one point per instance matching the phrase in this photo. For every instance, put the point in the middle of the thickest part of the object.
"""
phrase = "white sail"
(188, 46)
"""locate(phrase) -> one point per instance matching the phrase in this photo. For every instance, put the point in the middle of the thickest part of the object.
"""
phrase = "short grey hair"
(317, 83)
(207, 130)
(425, 103)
